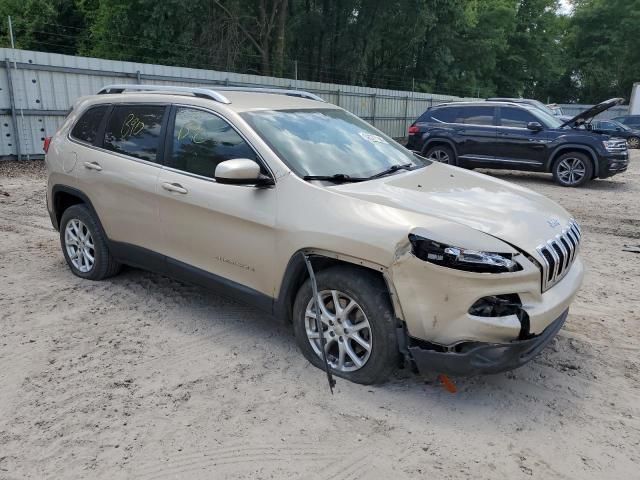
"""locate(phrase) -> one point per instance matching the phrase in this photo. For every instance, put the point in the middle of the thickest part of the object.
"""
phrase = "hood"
(589, 113)
(508, 212)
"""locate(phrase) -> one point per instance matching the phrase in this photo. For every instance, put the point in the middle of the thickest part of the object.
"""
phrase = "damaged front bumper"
(474, 358)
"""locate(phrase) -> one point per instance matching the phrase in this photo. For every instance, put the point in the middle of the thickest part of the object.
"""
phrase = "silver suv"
(255, 193)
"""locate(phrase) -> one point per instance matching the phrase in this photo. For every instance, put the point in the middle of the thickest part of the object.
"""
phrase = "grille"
(558, 254)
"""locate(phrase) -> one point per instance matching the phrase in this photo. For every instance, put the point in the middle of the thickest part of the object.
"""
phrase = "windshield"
(620, 125)
(325, 142)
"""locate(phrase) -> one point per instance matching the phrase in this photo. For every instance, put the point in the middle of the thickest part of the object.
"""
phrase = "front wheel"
(633, 142)
(572, 169)
(357, 324)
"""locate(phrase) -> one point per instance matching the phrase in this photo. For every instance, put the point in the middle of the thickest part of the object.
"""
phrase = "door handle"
(174, 187)
(93, 166)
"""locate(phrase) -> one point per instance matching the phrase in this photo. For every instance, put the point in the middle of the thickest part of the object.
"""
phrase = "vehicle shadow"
(543, 378)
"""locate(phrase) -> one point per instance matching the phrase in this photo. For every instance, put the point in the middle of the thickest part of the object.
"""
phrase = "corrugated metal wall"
(45, 85)
(38, 88)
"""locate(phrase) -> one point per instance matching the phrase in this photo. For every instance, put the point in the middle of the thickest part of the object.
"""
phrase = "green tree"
(602, 47)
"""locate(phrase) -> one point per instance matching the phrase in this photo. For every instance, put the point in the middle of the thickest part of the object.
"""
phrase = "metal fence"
(37, 89)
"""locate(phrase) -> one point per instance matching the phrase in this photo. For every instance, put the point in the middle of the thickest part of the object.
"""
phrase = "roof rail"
(212, 94)
(278, 91)
(198, 92)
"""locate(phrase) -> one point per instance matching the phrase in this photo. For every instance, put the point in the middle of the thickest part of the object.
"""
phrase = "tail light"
(413, 129)
(45, 145)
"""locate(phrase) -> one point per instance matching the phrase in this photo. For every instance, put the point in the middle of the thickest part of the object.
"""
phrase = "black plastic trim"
(485, 358)
(149, 260)
(430, 141)
(295, 273)
(76, 193)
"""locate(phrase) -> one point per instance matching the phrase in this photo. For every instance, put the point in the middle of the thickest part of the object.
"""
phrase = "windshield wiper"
(391, 169)
(337, 178)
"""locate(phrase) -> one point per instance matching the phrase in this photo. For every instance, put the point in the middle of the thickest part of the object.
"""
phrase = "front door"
(517, 145)
(223, 230)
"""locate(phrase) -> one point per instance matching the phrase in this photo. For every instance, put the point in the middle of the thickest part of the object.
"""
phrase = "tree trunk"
(280, 38)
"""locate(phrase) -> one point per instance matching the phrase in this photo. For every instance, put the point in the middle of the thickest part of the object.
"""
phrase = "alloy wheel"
(633, 142)
(439, 156)
(571, 170)
(345, 328)
(79, 244)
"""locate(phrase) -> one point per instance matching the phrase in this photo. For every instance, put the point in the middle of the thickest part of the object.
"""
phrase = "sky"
(565, 7)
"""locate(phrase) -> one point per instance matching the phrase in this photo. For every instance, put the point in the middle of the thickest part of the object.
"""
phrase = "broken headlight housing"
(462, 258)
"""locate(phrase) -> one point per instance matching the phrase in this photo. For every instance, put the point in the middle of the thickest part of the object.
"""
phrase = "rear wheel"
(357, 322)
(442, 154)
(633, 142)
(572, 169)
(85, 246)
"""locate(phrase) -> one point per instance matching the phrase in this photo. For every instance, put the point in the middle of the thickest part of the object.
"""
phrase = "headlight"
(615, 145)
(462, 258)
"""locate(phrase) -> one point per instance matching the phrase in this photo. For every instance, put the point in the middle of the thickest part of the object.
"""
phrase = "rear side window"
(201, 140)
(86, 128)
(134, 130)
(476, 115)
(444, 115)
(516, 117)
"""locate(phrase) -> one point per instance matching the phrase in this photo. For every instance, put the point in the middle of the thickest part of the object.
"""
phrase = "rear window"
(134, 130)
(443, 115)
(87, 127)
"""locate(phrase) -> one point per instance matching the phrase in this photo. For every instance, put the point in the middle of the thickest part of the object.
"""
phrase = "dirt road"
(143, 377)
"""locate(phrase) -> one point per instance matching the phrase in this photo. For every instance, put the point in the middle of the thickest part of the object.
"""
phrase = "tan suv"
(416, 262)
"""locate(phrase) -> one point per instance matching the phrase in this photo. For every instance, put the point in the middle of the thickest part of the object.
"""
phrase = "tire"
(442, 154)
(90, 242)
(572, 169)
(372, 305)
(633, 142)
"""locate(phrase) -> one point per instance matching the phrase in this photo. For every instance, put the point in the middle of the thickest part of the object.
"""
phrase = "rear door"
(224, 230)
(516, 145)
(475, 133)
(119, 173)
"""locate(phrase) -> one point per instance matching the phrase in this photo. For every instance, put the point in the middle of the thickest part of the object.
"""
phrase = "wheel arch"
(439, 141)
(296, 274)
(568, 148)
(64, 197)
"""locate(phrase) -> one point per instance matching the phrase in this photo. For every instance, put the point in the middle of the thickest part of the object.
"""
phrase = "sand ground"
(143, 377)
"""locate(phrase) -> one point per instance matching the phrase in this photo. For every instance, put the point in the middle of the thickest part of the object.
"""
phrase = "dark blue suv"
(519, 137)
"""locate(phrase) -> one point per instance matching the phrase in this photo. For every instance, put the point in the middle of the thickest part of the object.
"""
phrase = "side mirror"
(241, 171)
(535, 126)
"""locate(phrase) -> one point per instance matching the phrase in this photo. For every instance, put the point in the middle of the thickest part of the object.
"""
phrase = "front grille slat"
(558, 254)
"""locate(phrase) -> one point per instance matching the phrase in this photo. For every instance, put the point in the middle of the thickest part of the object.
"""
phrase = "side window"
(476, 115)
(201, 140)
(606, 126)
(445, 115)
(86, 128)
(134, 130)
(516, 117)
